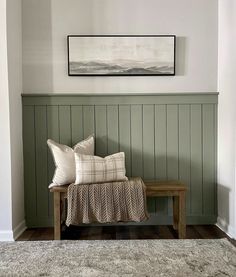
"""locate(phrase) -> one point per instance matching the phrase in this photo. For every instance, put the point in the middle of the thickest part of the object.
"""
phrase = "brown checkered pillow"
(94, 169)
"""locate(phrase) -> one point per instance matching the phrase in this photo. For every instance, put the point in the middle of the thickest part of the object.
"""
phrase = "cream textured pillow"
(93, 169)
(64, 159)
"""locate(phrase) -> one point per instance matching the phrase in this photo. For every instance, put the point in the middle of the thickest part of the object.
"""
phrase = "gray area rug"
(118, 258)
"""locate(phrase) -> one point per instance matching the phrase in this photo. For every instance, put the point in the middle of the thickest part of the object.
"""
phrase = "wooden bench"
(174, 189)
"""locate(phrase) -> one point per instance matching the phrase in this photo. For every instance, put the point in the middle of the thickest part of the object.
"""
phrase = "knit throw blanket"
(107, 202)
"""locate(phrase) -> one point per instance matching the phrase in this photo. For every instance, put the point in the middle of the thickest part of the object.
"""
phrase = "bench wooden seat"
(174, 189)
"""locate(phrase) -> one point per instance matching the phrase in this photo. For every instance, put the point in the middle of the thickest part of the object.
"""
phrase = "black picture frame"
(125, 67)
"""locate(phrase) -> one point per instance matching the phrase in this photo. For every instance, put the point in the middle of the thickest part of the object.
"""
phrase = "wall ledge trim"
(117, 94)
(118, 99)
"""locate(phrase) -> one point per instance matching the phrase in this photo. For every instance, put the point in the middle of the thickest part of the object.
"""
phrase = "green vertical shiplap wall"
(164, 137)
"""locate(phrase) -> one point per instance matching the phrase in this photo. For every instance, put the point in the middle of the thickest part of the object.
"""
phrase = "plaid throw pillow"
(93, 169)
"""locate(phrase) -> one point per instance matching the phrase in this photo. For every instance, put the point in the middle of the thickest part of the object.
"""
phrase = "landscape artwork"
(121, 55)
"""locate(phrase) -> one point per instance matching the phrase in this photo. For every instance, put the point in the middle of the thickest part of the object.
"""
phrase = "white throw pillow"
(64, 159)
(93, 169)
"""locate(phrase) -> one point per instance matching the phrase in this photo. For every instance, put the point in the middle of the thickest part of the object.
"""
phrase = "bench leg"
(175, 212)
(182, 216)
(57, 216)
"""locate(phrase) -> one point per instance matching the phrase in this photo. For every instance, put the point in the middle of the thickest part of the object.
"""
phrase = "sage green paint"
(137, 140)
(196, 159)
(53, 133)
(164, 137)
(112, 129)
(185, 149)
(29, 163)
(101, 130)
(124, 135)
(208, 168)
(161, 153)
(172, 146)
(76, 124)
(149, 149)
(41, 160)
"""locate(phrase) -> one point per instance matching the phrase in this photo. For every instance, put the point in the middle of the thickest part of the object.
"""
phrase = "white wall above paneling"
(46, 23)
(11, 165)
(227, 118)
(5, 152)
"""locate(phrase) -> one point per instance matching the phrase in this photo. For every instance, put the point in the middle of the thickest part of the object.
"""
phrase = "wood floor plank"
(27, 235)
(215, 231)
(95, 233)
(144, 232)
(71, 233)
(207, 232)
(42, 234)
(164, 232)
(108, 232)
(83, 232)
(132, 232)
(122, 232)
(125, 232)
(156, 234)
(192, 233)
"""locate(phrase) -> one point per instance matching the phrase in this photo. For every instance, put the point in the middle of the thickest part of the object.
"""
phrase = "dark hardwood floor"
(125, 232)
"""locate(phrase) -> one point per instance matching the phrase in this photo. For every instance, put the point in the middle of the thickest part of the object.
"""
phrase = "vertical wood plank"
(41, 160)
(29, 163)
(172, 142)
(160, 142)
(88, 121)
(112, 129)
(136, 140)
(124, 135)
(160, 154)
(53, 123)
(76, 124)
(65, 125)
(208, 159)
(52, 133)
(148, 142)
(101, 130)
(215, 157)
(196, 159)
(149, 150)
(184, 149)
(172, 147)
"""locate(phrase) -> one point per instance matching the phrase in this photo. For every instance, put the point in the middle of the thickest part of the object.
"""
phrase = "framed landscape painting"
(118, 55)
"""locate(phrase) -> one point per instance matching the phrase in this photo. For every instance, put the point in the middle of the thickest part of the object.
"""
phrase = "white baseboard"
(225, 227)
(9, 235)
(19, 229)
(6, 235)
